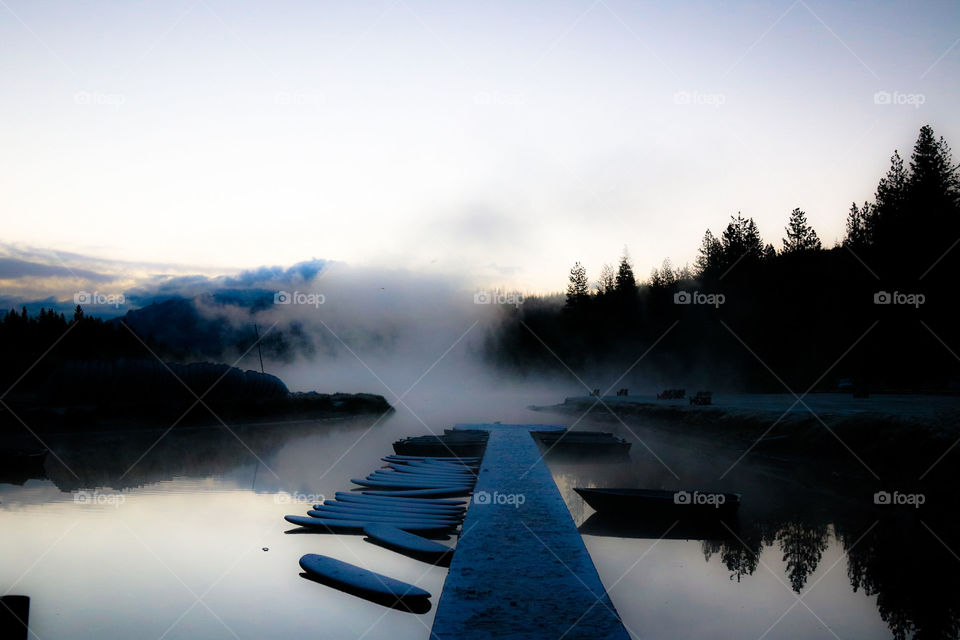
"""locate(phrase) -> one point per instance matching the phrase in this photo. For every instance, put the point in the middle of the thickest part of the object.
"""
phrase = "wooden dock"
(521, 569)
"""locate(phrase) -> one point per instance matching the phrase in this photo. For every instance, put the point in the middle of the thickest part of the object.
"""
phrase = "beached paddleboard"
(395, 506)
(346, 495)
(399, 468)
(398, 458)
(356, 526)
(391, 484)
(338, 514)
(394, 538)
(399, 478)
(385, 509)
(342, 574)
(419, 493)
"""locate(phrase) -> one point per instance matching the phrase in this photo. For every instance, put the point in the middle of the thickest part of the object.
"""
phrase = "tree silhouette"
(859, 225)
(578, 290)
(800, 236)
(802, 546)
(607, 281)
(626, 283)
(741, 242)
(665, 277)
(710, 254)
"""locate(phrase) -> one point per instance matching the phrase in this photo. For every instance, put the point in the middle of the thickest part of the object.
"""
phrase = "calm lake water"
(141, 536)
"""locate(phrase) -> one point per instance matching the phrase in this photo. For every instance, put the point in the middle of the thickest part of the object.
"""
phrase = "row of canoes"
(400, 507)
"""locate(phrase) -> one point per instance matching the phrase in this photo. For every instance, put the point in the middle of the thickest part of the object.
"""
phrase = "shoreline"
(121, 417)
(866, 438)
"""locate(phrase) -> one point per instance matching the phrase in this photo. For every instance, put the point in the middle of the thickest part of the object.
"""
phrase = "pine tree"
(626, 283)
(933, 186)
(741, 242)
(889, 220)
(892, 189)
(859, 226)
(664, 277)
(578, 289)
(78, 314)
(800, 236)
(607, 281)
(709, 255)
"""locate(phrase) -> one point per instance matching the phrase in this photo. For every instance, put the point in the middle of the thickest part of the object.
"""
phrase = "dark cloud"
(13, 268)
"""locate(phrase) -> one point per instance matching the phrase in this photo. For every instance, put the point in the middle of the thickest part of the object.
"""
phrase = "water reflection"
(187, 541)
(900, 565)
(183, 554)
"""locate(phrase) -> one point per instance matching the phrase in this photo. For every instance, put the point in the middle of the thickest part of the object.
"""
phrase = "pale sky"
(494, 141)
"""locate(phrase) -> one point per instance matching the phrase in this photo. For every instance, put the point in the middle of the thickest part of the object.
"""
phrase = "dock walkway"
(521, 569)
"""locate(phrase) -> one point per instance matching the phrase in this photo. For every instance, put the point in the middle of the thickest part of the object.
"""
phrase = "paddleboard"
(346, 495)
(356, 526)
(419, 493)
(394, 538)
(342, 574)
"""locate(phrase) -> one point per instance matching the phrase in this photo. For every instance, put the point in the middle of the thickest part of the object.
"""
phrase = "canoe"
(359, 497)
(333, 525)
(393, 508)
(420, 493)
(631, 502)
(356, 514)
(403, 541)
(353, 578)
